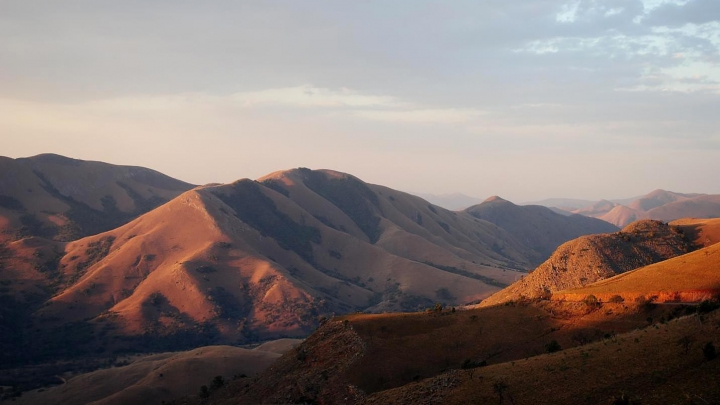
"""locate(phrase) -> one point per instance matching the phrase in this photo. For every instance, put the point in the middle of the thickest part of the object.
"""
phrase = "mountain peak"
(495, 198)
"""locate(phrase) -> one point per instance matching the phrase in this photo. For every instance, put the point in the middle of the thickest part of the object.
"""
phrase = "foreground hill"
(408, 358)
(535, 226)
(157, 378)
(60, 198)
(666, 363)
(596, 257)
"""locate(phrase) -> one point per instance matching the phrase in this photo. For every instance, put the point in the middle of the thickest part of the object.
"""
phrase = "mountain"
(537, 227)
(595, 210)
(657, 199)
(256, 260)
(61, 198)
(596, 257)
(660, 204)
(453, 202)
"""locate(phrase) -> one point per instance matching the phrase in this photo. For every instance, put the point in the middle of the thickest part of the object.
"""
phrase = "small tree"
(204, 392)
(217, 382)
(685, 342)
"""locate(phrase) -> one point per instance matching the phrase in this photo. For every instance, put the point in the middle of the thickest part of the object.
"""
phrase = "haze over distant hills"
(453, 201)
(659, 204)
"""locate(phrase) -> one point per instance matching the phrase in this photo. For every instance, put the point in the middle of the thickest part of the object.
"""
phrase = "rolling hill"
(61, 198)
(157, 378)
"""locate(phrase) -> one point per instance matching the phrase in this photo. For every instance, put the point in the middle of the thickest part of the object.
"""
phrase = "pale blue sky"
(524, 99)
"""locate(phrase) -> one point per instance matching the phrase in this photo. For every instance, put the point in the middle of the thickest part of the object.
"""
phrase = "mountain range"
(241, 262)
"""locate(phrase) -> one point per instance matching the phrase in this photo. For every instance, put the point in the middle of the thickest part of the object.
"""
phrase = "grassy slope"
(648, 366)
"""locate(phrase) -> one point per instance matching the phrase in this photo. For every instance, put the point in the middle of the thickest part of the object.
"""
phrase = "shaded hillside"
(666, 363)
(358, 357)
(157, 378)
(537, 227)
(591, 258)
(61, 198)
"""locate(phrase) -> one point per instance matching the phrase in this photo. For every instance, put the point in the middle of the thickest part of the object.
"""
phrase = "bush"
(591, 302)
(707, 306)
(709, 351)
(617, 299)
(204, 392)
(553, 346)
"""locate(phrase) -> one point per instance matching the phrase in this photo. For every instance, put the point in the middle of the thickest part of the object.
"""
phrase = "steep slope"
(161, 377)
(536, 227)
(61, 198)
(596, 257)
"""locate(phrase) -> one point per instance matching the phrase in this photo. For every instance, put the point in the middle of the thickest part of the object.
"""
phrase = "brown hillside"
(357, 356)
(537, 227)
(162, 377)
(692, 277)
(61, 198)
(591, 258)
(661, 364)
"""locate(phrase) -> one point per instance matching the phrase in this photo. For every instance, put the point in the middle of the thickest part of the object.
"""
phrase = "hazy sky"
(524, 98)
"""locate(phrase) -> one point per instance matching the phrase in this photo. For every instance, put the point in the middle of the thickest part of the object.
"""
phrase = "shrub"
(553, 346)
(217, 382)
(591, 302)
(617, 299)
(204, 392)
(709, 351)
(707, 306)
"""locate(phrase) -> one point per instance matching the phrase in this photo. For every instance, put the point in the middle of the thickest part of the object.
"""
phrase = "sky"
(526, 99)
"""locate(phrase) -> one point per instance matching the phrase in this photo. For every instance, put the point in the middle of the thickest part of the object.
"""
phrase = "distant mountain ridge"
(60, 198)
(659, 204)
